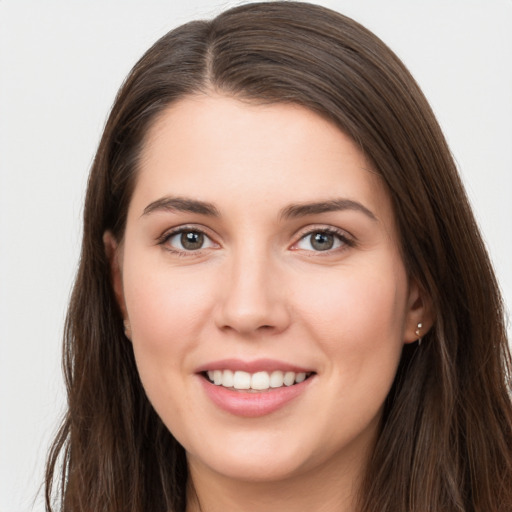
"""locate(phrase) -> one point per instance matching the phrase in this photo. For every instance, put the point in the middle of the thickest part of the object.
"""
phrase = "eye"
(322, 240)
(187, 240)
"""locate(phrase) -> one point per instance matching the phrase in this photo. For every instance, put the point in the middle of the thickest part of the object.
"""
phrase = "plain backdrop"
(60, 66)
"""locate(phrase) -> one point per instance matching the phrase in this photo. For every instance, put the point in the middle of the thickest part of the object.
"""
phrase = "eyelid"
(169, 233)
(346, 238)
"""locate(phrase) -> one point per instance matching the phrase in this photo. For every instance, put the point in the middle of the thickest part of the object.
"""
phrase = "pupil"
(322, 241)
(192, 240)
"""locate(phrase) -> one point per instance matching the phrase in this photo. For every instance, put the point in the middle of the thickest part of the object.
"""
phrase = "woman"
(283, 301)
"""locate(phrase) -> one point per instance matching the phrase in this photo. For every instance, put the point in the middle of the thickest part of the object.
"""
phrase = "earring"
(127, 330)
(418, 332)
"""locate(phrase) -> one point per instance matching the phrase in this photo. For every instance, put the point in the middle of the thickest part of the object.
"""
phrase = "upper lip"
(257, 365)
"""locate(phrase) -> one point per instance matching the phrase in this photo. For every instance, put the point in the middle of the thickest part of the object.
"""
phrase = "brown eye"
(192, 240)
(187, 240)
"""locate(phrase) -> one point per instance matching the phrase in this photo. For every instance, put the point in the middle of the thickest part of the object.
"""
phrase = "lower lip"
(252, 404)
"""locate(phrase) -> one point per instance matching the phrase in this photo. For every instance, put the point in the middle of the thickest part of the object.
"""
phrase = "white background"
(60, 66)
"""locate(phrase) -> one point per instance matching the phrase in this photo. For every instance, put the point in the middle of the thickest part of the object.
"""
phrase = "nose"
(253, 296)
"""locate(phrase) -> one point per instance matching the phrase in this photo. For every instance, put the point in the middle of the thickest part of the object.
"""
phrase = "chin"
(255, 457)
(263, 469)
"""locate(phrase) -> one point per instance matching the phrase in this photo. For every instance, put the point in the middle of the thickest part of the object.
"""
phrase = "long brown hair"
(445, 442)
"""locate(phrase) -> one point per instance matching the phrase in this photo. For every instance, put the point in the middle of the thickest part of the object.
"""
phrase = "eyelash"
(346, 240)
(340, 235)
(181, 230)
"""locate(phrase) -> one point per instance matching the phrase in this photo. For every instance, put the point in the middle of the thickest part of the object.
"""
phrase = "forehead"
(216, 148)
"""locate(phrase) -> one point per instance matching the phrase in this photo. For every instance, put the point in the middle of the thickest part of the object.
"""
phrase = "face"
(261, 253)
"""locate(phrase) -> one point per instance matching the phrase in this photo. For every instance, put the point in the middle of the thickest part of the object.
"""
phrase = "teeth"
(289, 378)
(228, 378)
(276, 379)
(259, 381)
(300, 377)
(242, 380)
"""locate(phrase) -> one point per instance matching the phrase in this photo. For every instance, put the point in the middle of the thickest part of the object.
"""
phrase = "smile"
(254, 388)
(259, 381)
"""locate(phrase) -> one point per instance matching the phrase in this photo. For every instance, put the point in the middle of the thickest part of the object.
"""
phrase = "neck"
(325, 489)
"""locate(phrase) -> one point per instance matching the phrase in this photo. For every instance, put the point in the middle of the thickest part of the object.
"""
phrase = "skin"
(257, 289)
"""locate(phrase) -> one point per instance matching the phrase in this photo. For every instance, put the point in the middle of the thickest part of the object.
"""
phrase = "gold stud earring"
(418, 332)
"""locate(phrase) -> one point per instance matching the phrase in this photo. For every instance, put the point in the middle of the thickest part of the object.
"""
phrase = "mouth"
(255, 382)
(254, 388)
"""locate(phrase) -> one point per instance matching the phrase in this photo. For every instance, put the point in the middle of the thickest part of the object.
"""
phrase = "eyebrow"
(293, 211)
(303, 209)
(182, 204)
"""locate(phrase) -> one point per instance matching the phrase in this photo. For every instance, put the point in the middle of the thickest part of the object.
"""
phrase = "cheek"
(167, 312)
(161, 303)
(359, 325)
(167, 315)
(358, 317)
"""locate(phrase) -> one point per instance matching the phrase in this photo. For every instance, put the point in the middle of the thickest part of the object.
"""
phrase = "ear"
(420, 313)
(114, 256)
